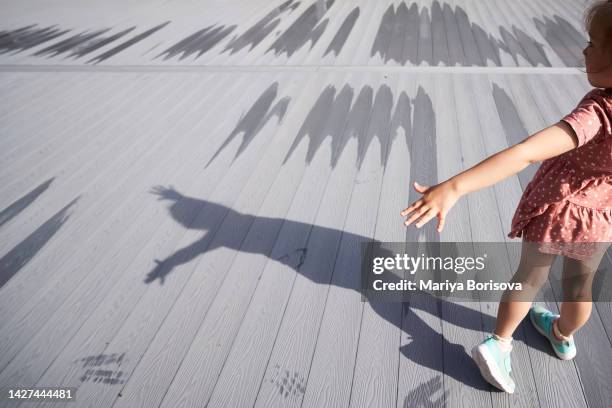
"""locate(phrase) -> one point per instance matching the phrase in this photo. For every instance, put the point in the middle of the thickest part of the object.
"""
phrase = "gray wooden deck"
(184, 229)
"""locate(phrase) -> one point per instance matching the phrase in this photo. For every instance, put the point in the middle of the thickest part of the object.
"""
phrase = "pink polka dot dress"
(567, 206)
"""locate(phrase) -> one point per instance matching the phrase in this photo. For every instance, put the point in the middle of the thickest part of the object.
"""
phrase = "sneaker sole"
(543, 333)
(488, 369)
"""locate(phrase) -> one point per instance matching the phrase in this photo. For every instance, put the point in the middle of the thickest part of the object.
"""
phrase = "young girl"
(566, 209)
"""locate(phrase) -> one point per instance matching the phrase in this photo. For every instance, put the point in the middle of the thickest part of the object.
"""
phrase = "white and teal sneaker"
(542, 320)
(494, 364)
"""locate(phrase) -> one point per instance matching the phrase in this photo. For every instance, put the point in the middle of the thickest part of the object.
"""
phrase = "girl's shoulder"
(599, 94)
(598, 101)
(592, 116)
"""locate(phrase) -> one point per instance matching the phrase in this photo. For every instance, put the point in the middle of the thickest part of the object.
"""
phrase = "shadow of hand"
(166, 193)
(160, 271)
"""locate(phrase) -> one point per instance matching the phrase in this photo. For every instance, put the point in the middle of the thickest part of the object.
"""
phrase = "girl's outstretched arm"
(439, 199)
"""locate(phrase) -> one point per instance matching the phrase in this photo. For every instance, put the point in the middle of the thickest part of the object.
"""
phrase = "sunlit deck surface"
(185, 186)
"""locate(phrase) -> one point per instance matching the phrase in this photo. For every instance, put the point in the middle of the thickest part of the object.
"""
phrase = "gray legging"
(578, 274)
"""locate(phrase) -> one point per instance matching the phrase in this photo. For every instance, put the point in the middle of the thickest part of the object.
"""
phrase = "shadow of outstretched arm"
(183, 255)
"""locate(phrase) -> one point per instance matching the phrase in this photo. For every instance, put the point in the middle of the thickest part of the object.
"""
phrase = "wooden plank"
(490, 53)
(52, 293)
(567, 28)
(23, 286)
(9, 81)
(604, 308)
(375, 378)
(339, 43)
(565, 385)
(32, 159)
(219, 396)
(393, 53)
(318, 42)
(143, 52)
(503, 53)
(518, 118)
(264, 54)
(332, 370)
(433, 155)
(152, 304)
(296, 340)
(150, 380)
(411, 37)
(356, 41)
(209, 213)
(462, 325)
(226, 301)
(520, 96)
(104, 16)
(20, 87)
(246, 25)
(507, 194)
(187, 343)
(268, 302)
(60, 328)
(421, 368)
(439, 36)
(573, 14)
(577, 7)
(341, 13)
(572, 21)
(472, 53)
(46, 15)
(455, 46)
(503, 30)
(377, 37)
(129, 49)
(565, 22)
(593, 360)
(80, 176)
(554, 37)
(47, 110)
(222, 25)
(530, 42)
(288, 37)
(253, 12)
(425, 47)
(149, 29)
(39, 37)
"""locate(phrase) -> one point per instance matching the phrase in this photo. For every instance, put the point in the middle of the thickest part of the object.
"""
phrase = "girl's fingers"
(428, 216)
(441, 220)
(416, 215)
(411, 208)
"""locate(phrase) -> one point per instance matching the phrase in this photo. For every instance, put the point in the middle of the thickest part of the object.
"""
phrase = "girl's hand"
(436, 201)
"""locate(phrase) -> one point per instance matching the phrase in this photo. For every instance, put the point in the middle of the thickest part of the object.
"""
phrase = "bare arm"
(439, 199)
(550, 142)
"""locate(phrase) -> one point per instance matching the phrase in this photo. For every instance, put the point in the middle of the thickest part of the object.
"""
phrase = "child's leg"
(492, 356)
(532, 274)
(577, 284)
(575, 315)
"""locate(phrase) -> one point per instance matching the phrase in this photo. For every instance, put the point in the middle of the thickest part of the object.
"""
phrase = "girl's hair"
(598, 18)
